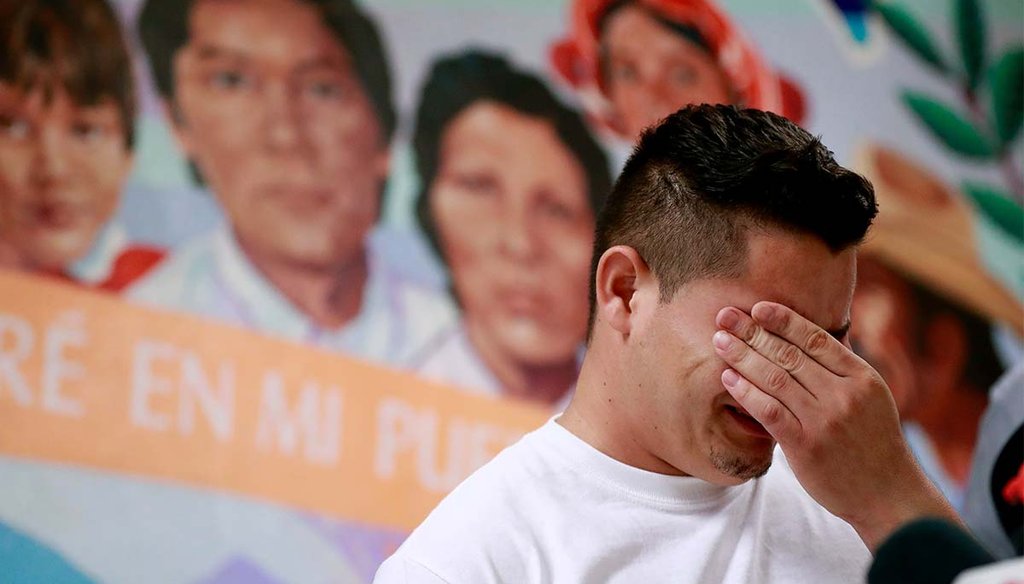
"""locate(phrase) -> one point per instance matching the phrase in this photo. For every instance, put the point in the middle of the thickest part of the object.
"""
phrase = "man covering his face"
(722, 430)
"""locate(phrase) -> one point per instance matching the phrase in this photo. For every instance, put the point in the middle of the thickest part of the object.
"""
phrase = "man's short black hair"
(72, 45)
(456, 82)
(698, 181)
(164, 29)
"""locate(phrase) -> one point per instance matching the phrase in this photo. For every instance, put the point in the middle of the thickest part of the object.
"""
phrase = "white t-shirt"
(551, 508)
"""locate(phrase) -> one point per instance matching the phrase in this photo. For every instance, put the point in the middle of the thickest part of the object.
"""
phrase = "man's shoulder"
(497, 490)
(795, 517)
(402, 570)
(484, 527)
(784, 495)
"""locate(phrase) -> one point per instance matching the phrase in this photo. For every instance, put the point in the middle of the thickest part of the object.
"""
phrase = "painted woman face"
(515, 226)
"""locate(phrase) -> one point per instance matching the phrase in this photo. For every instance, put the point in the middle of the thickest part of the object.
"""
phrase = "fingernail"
(722, 340)
(730, 378)
(728, 319)
(764, 312)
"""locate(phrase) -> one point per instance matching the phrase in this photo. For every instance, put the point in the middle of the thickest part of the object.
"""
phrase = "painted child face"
(62, 167)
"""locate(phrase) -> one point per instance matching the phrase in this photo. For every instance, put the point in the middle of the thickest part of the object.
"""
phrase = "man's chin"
(741, 466)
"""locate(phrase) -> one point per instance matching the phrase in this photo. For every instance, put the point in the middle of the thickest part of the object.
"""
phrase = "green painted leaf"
(997, 206)
(912, 33)
(971, 36)
(1006, 85)
(958, 134)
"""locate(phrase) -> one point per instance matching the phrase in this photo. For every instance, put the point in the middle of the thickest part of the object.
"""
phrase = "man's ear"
(621, 273)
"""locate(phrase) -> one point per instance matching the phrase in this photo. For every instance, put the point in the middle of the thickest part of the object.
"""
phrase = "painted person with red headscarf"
(636, 61)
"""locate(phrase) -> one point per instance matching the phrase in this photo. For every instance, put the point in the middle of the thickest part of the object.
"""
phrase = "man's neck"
(330, 296)
(596, 417)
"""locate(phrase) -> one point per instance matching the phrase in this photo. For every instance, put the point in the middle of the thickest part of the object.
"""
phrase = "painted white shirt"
(212, 277)
(97, 265)
(451, 359)
(551, 508)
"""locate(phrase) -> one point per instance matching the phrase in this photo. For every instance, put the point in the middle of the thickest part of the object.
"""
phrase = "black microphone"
(926, 551)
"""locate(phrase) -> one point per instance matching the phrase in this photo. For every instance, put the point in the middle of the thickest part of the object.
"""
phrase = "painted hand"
(831, 413)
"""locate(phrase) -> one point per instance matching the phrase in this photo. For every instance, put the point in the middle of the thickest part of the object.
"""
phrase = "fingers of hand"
(780, 422)
(762, 373)
(775, 349)
(811, 339)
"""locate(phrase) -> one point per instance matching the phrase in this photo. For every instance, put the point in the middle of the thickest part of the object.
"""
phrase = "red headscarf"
(575, 57)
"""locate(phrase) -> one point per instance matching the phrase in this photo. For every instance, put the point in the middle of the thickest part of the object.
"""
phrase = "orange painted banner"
(87, 379)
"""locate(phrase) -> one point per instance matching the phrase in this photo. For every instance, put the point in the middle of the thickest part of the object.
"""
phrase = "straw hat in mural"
(926, 230)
